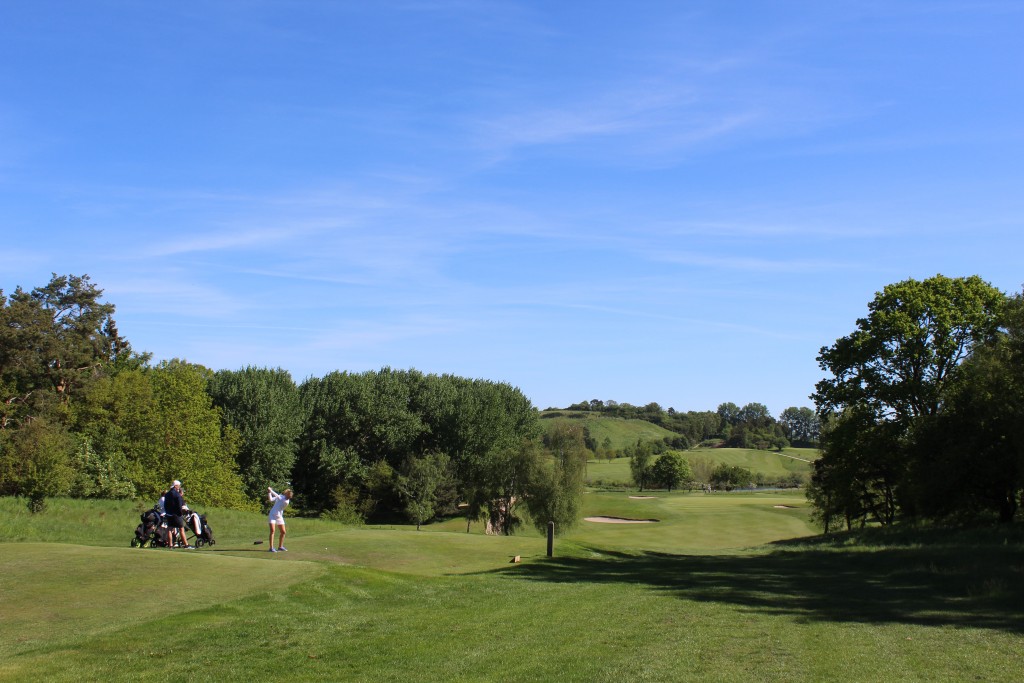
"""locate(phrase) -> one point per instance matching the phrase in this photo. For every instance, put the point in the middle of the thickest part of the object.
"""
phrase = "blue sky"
(678, 202)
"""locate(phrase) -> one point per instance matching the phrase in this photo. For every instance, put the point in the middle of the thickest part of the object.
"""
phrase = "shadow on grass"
(933, 582)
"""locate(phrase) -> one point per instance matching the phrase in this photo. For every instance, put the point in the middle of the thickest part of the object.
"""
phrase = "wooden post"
(551, 539)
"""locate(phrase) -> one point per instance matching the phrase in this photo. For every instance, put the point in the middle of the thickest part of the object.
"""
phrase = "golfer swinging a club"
(276, 517)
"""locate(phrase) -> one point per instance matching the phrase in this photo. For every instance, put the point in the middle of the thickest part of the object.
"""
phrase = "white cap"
(176, 483)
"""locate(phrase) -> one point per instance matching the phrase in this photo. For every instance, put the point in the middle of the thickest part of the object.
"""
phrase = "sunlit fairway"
(695, 523)
(722, 587)
(771, 464)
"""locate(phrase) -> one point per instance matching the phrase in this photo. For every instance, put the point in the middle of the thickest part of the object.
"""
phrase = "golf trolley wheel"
(135, 543)
(199, 542)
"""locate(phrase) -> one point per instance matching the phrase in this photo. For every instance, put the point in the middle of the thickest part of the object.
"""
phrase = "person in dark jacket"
(174, 504)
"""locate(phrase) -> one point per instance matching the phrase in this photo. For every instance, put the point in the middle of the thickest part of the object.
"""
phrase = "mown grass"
(773, 465)
(657, 602)
(113, 522)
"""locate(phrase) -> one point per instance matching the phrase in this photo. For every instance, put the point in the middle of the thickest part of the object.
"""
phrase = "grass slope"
(685, 599)
(620, 432)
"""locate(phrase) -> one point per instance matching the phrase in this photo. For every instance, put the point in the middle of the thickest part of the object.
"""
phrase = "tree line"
(83, 414)
(657, 463)
(750, 426)
(923, 411)
(921, 417)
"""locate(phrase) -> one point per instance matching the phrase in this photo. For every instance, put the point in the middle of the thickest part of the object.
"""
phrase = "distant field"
(769, 463)
(722, 587)
(623, 433)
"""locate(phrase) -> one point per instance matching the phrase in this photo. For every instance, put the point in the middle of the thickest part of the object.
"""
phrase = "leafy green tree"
(507, 479)
(117, 420)
(53, 342)
(567, 442)
(194, 446)
(705, 425)
(904, 352)
(476, 422)
(671, 470)
(740, 436)
(968, 458)
(263, 406)
(422, 485)
(640, 463)
(100, 474)
(326, 458)
(889, 377)
(702, 468)
(355, 420)
(35, 462)
(24, 329)
(801, 426)
(556, 486)
(730, 477)
(147, 426)
(756, 416)
(861, 472)
(728, 414)
(356, 500)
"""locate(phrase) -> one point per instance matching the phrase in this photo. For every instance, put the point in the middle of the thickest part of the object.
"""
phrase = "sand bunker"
(642, 497)
(619, 520)
(788, 507)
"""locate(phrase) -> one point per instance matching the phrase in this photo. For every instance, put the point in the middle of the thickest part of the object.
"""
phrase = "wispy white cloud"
(748, 263)
(219, 241)
(673, 114)
(175, 294)
(365, 334)
(701, 323)
(810, 222)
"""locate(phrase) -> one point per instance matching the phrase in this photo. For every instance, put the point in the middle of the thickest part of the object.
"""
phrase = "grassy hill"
(721, 587)
(620, 432)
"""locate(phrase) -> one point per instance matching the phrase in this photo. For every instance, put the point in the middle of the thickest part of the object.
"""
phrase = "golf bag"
(201, 532)
(151, 532)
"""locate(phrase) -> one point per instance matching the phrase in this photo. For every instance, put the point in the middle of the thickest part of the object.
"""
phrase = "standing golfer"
(276, 517)
(174, 504)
